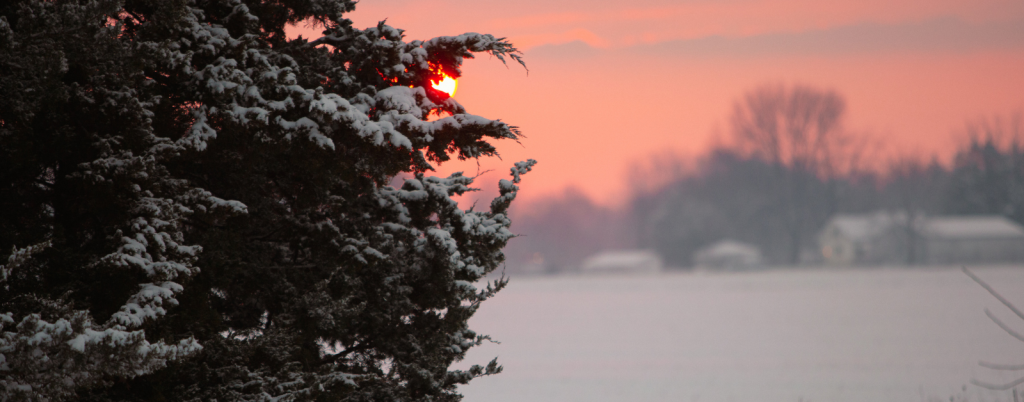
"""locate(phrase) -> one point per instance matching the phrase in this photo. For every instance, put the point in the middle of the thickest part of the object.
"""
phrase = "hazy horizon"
(913, 74)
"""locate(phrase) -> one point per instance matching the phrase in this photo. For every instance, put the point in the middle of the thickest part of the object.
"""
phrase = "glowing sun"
(447, 84)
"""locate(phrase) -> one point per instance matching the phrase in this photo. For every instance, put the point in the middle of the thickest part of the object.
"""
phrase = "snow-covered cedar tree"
(198, 208)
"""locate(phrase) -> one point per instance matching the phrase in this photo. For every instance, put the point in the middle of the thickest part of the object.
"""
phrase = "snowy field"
(786, 335)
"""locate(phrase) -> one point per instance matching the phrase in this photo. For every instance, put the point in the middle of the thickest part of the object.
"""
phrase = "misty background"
(589, 316)
(784, 166)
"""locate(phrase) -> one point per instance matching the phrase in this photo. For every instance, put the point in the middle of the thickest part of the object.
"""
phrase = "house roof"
(864, 226)
(972, 227)
(729, 247)
(623, 260)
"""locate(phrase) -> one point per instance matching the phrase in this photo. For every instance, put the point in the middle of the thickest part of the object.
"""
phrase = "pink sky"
(612, 83)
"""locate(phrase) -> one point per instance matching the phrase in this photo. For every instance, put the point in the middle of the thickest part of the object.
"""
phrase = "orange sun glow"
(447, 84)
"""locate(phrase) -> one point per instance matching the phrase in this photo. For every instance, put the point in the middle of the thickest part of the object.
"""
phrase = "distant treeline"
(789, 168)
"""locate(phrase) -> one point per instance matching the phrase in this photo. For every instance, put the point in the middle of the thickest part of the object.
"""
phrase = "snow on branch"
(53, 358)
(508, 189)
(18, 257)
(463, 46)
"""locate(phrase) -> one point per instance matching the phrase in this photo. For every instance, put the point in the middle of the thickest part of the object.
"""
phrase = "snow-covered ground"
(907, 334)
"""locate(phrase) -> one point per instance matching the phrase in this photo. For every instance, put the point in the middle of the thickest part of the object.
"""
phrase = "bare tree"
(798, 131)
(988, 173)
(996, 366)
(656, 171)
(724, 195)
(559, 232)
(914, 189)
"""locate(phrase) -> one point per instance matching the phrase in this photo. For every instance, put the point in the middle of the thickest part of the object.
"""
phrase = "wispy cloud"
(651, 21)
(573, 35)
(937, 35)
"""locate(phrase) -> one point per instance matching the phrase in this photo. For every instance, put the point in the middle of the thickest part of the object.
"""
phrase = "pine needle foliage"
(198, 207)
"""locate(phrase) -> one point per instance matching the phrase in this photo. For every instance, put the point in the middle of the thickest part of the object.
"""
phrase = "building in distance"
(883, 238)
(728, 255)
(623, 261)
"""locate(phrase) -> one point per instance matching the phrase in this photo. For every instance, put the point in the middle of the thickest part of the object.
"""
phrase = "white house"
(871, 238)
(972, 239)
(633, 261)
(729, 255)
(890, 238)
